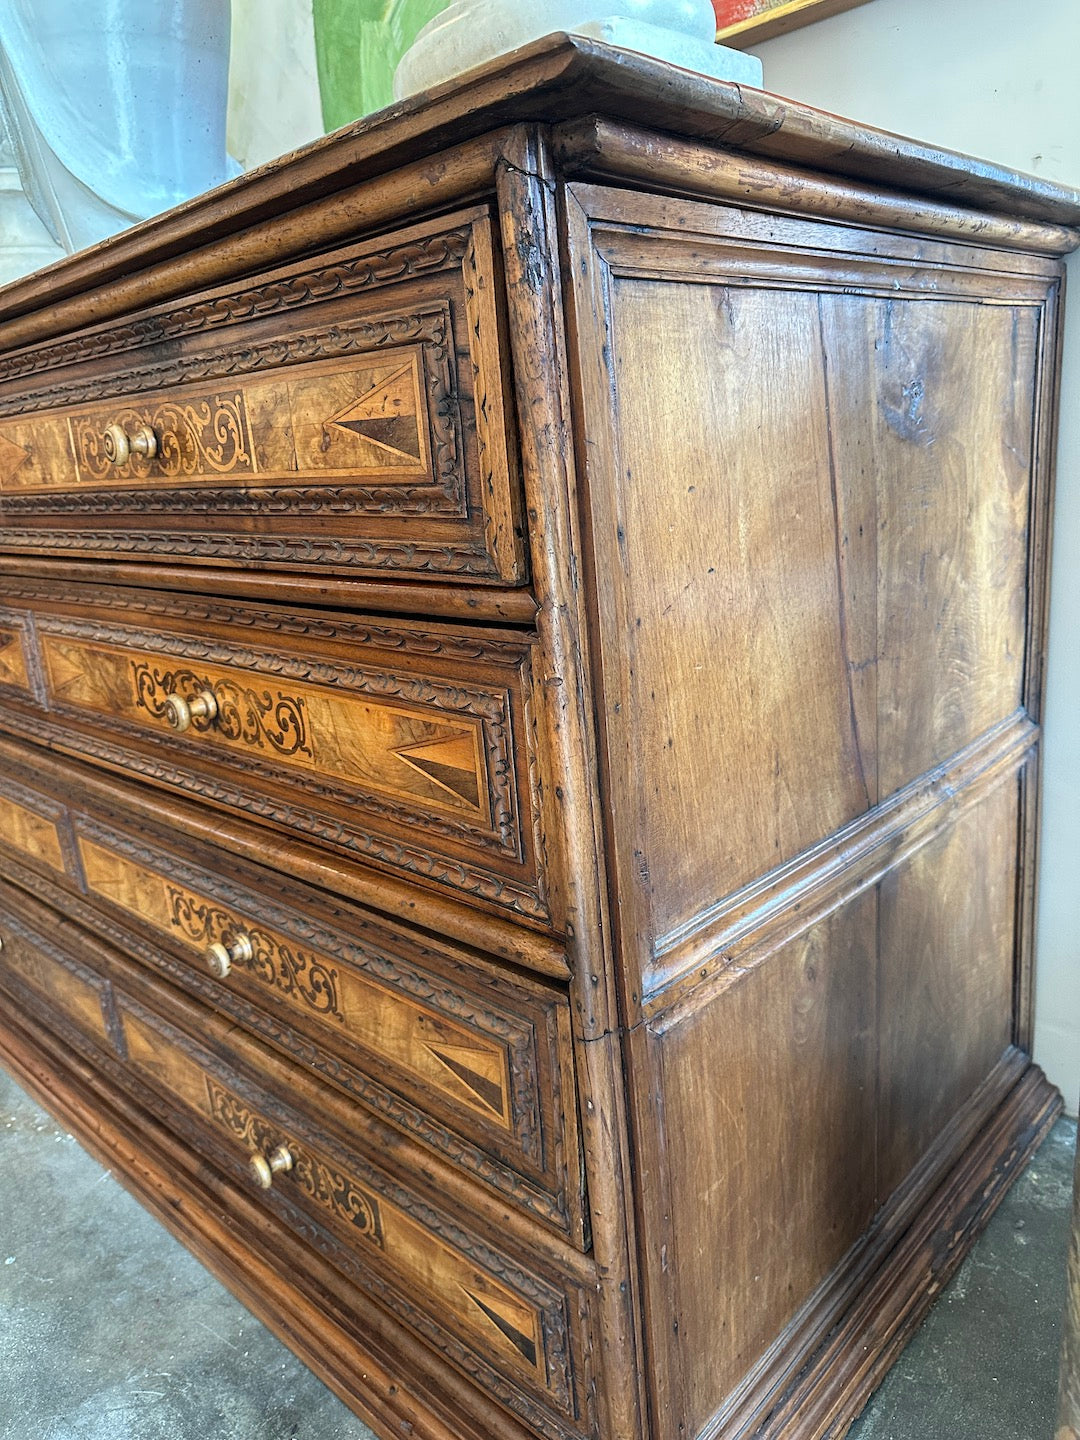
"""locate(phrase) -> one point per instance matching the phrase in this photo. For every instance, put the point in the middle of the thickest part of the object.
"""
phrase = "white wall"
(998, 79)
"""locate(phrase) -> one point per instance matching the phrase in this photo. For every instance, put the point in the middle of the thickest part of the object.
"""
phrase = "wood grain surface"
(601, 518)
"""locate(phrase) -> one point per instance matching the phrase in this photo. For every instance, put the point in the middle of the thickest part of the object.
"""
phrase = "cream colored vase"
(470, 32)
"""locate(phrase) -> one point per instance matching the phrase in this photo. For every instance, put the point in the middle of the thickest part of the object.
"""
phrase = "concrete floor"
(984, 1364)
(110, 1330)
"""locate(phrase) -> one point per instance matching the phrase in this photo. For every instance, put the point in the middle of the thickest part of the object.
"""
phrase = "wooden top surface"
(557, 79)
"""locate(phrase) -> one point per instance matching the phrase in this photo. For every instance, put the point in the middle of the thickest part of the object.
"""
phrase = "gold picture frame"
(740, 23)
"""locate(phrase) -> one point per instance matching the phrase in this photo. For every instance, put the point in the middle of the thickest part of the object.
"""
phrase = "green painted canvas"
(358, 44)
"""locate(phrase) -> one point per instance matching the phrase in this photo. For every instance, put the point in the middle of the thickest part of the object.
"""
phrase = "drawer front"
(468, 1058)
(346, 416)
(404, 748)
(510, 1328)
(59, 983)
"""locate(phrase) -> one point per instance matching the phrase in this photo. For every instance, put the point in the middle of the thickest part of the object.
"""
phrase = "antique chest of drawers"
(521, 644)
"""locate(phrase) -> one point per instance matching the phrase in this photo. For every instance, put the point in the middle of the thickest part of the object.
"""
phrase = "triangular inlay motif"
(386, 415)
(479, 1070)
(11, 457)
(450, 762)
(521, 1342)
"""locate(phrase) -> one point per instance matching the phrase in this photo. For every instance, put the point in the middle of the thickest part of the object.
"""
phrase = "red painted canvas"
(746, 21)
(733, 12)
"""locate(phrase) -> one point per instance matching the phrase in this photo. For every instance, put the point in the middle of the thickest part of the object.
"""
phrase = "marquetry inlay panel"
(35, 835)
(13, 662)
(408, 746)
(369, 418)
(410, 753)
(67, 987)
(368, 435)
(468, 1068)
(517, 1327)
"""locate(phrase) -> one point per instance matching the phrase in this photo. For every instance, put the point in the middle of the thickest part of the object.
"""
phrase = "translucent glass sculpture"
(115, 108)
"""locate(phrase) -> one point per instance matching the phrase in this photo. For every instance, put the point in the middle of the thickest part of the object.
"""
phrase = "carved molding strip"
(466, 559)
(398, 262)
(503, 650)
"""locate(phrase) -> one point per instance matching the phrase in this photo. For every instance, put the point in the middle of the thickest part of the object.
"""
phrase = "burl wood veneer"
(521, 646)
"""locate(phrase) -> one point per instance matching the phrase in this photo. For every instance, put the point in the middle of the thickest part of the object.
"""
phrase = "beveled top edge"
(558, 78)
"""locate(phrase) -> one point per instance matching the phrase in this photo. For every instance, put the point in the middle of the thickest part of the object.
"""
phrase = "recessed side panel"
(947, 971)
(809, 472)
(768, 1142)
(931, 407)
(815, 475)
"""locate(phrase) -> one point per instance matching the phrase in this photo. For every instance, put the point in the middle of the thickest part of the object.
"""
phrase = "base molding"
(853, 1329)
(843, 1340)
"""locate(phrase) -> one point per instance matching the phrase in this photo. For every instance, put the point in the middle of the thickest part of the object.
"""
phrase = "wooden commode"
(521, 660)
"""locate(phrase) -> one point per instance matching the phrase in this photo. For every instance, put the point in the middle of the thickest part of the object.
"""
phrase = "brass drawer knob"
(180, 712)
(119, 446)
(231, 950)
(264, 1169)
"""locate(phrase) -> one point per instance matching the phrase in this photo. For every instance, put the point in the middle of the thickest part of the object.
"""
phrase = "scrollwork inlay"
(194, 435)
(276, 964)
(329, 1188)
(262, 719)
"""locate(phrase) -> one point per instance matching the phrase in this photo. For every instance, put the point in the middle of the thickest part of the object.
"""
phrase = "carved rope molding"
(492, 708)
(423, 642)
(465, 559)
(399, 262)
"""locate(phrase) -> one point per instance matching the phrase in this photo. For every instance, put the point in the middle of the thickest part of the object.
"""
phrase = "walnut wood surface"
(557, 78)
(343, 416)
(617, 557)
(469, 1059)
(425, 739)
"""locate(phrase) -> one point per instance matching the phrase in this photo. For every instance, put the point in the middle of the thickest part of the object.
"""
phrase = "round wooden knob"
(264, 1168)
(231, 950)
(180, 712)
(119, 446)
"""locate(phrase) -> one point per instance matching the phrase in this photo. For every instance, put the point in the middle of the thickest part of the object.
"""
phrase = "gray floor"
(984, 1365)
(109, 1330)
